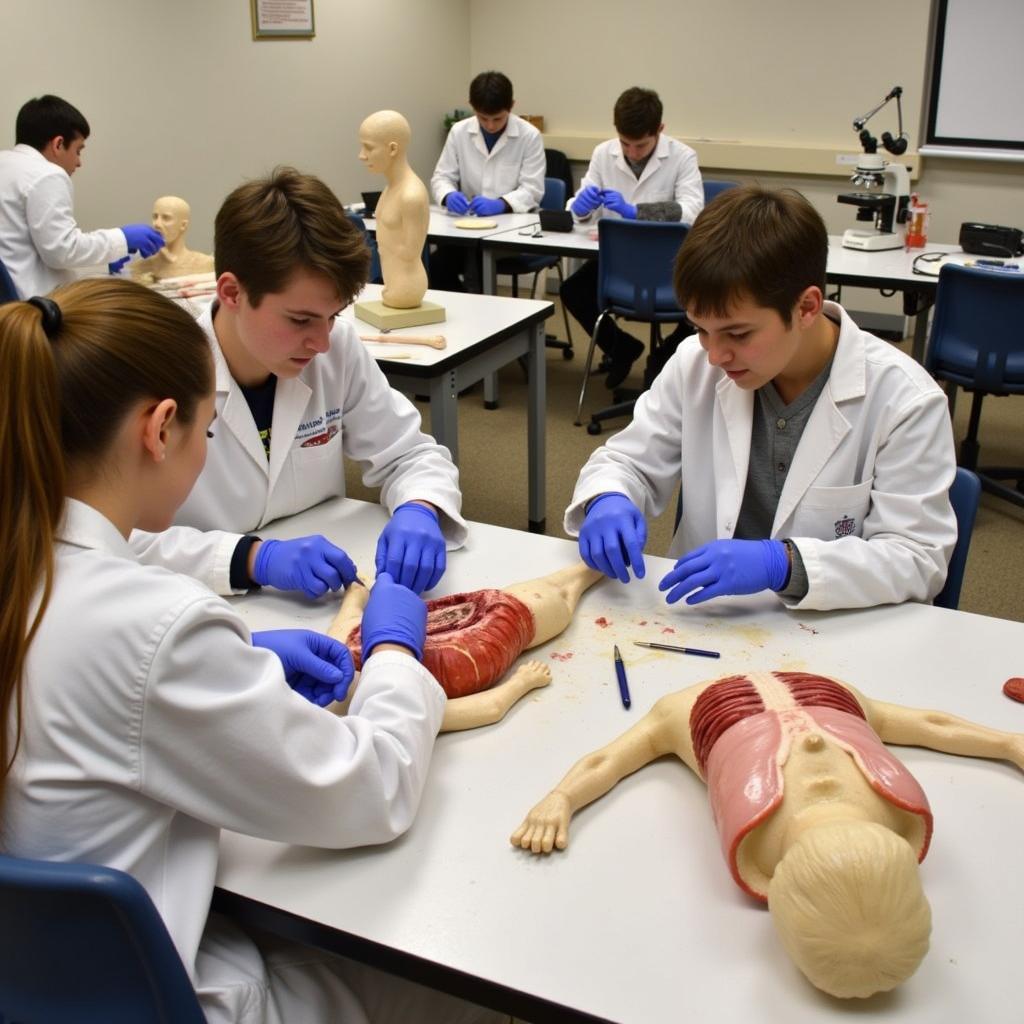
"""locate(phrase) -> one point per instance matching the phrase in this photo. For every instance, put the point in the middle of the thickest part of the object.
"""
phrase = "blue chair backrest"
(716, 188)
(8, 293)
(634, 267)
(84, 944)
(554, 194)
(977, 337)
(964, 496)
(372, 243)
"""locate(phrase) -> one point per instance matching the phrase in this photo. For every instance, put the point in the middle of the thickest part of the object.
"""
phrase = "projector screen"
(976, 103)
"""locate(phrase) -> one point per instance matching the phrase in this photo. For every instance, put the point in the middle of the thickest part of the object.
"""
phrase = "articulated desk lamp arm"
(888, 206)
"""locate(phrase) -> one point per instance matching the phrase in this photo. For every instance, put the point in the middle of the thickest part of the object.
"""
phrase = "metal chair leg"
(568, 353)
(586, 368)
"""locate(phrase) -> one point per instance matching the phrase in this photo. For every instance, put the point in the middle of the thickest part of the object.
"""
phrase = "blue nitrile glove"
(484, 207)
(315, 665)
(115, 267)
(393, 615)
(311, 564)
(456, 202)
(615, 202)
(589, 199)
(613, 536)
(728, 567)
(143, 239)
(411, 548)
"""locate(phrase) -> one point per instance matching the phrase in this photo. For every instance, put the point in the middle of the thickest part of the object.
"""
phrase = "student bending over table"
(140, 718)
(815, 459)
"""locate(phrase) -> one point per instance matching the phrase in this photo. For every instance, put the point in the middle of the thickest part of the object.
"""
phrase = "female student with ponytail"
(140, 716)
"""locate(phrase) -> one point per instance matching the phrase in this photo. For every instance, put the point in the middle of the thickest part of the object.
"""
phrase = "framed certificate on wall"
(282, 19)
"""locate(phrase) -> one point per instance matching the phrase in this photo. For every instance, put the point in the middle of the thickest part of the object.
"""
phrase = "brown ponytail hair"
(64, 393)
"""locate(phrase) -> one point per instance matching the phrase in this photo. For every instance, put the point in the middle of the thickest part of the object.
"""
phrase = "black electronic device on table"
(991, 240)
(555, 220)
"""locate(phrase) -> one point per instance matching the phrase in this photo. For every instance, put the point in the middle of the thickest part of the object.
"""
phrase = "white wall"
(181, 100)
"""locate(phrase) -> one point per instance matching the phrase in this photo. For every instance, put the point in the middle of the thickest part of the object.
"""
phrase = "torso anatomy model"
(473, 638)
(815, 816)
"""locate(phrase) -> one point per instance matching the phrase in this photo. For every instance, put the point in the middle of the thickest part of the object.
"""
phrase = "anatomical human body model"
(473, 638)
(815, 816)
(171, 218)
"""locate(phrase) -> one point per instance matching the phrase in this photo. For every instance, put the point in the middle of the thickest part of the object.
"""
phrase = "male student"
(492, 162)
(815, 460)
(297, 393)
(640, 175)
(40, 242)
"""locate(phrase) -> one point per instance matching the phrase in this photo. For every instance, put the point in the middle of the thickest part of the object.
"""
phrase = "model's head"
(848, 905)
(171, 216)
(752, 244)
(490, 96)
(383, 138)
(55, 128)
(638, 123)
(269, 229)
(79, 371)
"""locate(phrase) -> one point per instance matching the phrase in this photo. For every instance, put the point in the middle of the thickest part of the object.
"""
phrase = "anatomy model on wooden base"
(815, 816)
(171, 218)
(473, 638)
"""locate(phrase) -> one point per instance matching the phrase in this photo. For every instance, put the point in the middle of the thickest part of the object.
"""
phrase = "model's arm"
(56, 235)
(446, 177)
(528, 193)
(689, 187)
(546, 827)
(909, 529)
(937, 730)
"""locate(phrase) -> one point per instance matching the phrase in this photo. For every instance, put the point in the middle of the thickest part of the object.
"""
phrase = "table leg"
(444, 413)
(490, 287)
(536, 429)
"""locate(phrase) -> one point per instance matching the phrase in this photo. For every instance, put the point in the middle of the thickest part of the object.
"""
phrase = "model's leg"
(490, 706)
(553, 599)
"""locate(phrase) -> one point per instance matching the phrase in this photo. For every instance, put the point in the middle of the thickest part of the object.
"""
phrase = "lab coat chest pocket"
(830, 513)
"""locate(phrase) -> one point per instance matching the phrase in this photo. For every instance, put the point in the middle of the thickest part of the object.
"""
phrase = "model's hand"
(311, 564)
(143, 239)
(315, 665)
(613, 536)
(457, 203)
(393, 615)
(588, 200)
(411, 548)
(546, 826)
(727, 567)
(484, 207)
(615, 202)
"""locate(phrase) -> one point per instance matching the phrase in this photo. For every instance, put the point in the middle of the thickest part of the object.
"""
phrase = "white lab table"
(639, 921)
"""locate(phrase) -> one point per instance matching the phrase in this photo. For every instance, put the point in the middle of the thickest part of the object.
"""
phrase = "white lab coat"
(866, 499)
(40, 243)
(340, 405)
(670, 175)
(513, 170)
(150, 723)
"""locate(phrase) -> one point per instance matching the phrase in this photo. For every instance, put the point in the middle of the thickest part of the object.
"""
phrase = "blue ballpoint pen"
(620, 672)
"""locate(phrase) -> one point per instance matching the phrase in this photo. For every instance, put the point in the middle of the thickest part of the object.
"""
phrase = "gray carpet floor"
(494, 470)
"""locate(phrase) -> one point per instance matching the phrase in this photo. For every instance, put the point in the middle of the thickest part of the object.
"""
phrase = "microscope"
(887, 206)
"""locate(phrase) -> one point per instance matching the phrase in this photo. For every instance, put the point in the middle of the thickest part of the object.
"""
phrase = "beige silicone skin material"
(551, 600)
(171, 216)
(403, 210)
(843, 884)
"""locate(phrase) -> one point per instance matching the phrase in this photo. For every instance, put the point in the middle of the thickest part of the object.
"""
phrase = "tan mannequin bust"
(835, 858)
(403, 210)
(550, 601)
(171, 218)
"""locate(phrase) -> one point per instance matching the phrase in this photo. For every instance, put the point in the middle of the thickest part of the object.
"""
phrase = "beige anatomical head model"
(171, 216)
(383, 138)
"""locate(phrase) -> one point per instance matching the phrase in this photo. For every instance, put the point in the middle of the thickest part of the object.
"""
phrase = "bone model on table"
(474, 637)
(433, 340)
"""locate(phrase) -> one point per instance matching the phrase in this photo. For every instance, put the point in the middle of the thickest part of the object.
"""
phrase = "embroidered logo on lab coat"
(321, 438)
(319, 430)
(845, 526)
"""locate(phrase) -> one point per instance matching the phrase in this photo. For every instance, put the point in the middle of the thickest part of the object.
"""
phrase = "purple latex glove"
(727, 567)
(143, 239)
(457, 203)
(588, 200)
(311, 564)
(393, 615)
(484, 207)
(115, 267)
(315, 665)
(613, 536)
(411, 548)
(615, 202)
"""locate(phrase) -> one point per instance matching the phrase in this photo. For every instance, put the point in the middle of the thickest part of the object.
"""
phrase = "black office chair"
(977, 343)
(554, 199)
(634, 281)
(558, 166)
(83, 944)
(8, 293)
